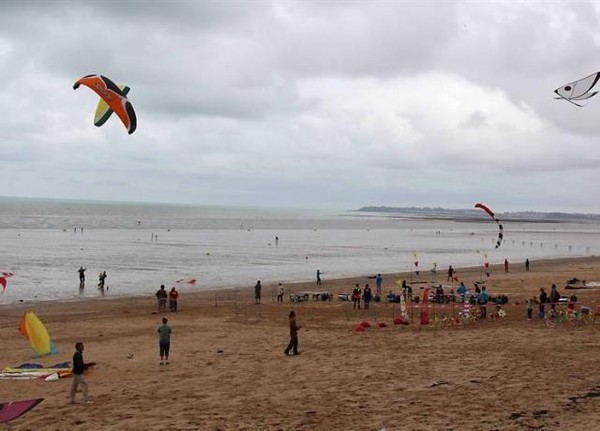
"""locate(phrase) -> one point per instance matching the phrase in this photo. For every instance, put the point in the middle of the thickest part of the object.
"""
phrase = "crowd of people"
(361, 298)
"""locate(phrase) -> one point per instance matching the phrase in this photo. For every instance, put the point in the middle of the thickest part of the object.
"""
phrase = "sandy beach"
(228, 370)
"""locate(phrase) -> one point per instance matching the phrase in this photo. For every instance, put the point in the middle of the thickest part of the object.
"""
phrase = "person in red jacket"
(173, 295)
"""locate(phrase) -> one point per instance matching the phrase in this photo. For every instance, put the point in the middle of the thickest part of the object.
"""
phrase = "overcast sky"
(335, 104)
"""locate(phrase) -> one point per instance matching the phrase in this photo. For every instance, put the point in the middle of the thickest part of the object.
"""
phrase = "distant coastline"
(471, 214)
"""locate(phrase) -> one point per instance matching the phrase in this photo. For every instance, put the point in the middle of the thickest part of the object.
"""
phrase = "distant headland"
(472, 214)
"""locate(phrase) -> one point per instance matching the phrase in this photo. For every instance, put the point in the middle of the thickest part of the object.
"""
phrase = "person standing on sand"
(367, 296)
(78, 379)
(319, 282)
(356, 292)
(257, 289)
(293, 344)
(483, 300)
(530, 302)
(161, 296)
(164, 341)
(505, 265)
(543, 300)
(406, 291)
(554, 298)
(378, 285)
(527, 265)
(450, 273)
(173, 295)
(280, 293)
(462, 291)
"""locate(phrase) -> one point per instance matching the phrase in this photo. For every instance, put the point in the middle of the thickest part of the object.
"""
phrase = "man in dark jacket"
(78, 379)
(293, 345)
(161, 296)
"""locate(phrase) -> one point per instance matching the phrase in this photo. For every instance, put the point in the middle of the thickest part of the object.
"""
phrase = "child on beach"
(280, 293)
(257, 289)
(571, 304)
(530, 304)
(498, 311)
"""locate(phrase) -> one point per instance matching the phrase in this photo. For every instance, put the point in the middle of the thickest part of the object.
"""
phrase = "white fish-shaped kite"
(579, 90)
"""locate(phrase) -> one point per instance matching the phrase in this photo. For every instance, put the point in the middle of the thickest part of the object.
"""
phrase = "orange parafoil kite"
(115, 98)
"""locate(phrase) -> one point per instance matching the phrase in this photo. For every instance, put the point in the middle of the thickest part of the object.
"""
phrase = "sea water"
(141, 246)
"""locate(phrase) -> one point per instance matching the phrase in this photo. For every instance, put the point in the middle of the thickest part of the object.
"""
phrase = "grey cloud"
(302, 103)
(476, 120)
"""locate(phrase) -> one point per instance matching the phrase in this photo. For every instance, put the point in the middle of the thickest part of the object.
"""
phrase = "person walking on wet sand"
(293, 344)
(78, 379)
(81, 272)
(319, 282)
(101, 280)
(257, 289)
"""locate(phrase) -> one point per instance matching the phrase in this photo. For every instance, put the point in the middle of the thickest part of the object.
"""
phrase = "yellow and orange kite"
(113, 97)
(33, 328)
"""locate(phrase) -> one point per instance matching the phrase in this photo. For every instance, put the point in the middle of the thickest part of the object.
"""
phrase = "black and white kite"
(579, 90)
